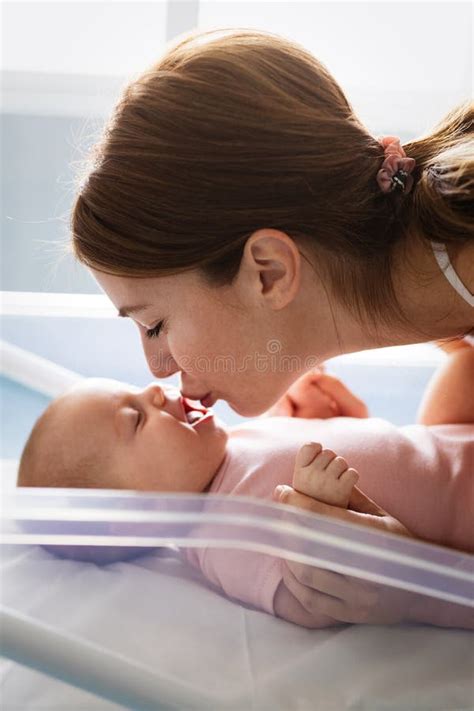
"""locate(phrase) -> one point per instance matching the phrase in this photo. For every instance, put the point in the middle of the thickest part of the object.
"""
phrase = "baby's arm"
(318, 394)
(448, 398)
(321, 474)
(260, 579)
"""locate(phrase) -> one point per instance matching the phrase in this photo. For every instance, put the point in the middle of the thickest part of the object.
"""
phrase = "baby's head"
(104, 434)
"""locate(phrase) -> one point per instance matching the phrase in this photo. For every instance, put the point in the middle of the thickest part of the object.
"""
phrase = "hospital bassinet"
(151, 633)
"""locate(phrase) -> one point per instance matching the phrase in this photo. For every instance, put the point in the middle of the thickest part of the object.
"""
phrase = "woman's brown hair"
(236, 130)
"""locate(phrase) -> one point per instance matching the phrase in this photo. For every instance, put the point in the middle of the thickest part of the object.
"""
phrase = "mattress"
(158, 613)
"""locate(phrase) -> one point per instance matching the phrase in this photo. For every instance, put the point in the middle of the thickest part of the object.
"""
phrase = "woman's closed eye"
(155, 331)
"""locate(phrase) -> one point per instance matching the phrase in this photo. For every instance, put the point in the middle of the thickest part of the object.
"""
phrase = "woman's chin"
(247, 409)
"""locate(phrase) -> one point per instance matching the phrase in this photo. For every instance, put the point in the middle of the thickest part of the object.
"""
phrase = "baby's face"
(146, 434)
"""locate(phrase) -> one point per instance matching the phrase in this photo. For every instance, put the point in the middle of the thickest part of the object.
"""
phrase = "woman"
(252, 227)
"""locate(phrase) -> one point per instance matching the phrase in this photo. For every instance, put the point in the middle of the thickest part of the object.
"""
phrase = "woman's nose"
(160, 364)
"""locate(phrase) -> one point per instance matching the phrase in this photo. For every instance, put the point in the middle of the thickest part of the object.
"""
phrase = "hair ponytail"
(442, 207)
(236, 130)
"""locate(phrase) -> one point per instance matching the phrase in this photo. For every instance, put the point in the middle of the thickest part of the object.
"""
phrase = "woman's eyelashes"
(155, 331)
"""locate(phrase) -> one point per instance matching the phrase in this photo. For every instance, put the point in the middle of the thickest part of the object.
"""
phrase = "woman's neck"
(427, 299)
(430, 308)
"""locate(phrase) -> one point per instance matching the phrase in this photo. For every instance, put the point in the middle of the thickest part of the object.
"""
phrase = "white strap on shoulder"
(444, 263)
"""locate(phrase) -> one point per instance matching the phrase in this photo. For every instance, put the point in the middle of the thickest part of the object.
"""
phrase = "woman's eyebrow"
(127, 310)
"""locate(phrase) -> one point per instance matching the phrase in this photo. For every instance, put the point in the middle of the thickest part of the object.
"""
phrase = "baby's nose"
(153, 395)
(157, 394)
(158, 398)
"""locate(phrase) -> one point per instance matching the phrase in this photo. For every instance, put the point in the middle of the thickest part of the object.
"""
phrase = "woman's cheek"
(191, 355)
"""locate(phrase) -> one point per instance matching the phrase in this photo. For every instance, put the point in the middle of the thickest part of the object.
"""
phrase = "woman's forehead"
(142, 286)
(131, 295)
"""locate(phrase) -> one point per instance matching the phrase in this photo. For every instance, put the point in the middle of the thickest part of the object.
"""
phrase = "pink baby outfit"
(423, 476)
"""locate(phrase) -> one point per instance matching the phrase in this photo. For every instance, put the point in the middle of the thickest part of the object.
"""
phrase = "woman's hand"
(361, 511)
(318, 395)
(313, 597)
(316, 598)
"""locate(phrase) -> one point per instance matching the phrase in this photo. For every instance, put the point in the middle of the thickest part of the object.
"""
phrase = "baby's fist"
(321, 474)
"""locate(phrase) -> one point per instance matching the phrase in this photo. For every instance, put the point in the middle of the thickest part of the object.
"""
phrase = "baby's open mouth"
(193, 412)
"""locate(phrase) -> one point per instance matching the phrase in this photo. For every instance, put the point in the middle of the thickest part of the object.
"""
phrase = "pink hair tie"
(395, 173)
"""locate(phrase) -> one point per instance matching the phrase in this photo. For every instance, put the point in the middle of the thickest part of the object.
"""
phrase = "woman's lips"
(206, 400)
(189, 405)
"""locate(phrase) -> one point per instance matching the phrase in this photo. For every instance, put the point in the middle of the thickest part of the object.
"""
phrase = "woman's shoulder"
(469, 337)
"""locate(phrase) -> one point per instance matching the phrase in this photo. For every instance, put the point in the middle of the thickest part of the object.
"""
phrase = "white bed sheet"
(157, 611)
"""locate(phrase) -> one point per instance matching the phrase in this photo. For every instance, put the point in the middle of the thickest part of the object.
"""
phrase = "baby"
(103, 434)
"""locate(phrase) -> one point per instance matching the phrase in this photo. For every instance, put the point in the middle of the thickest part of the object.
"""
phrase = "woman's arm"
(449, 396)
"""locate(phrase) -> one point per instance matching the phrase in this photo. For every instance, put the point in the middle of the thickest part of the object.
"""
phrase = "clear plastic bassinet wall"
(148, 632)
(102, 610)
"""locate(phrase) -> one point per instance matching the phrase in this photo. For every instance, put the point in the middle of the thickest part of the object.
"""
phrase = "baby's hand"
(319, 395)
(321, 474)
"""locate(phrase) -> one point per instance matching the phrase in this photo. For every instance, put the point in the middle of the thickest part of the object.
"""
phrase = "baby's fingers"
(350, 477)
(349, 404)
(336, 467)
(307, 453)
(285, 407)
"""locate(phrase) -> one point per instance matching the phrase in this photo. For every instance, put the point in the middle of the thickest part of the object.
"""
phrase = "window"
(65, 62)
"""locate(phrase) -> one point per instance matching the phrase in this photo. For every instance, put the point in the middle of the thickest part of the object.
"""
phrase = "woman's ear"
(274, 263)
